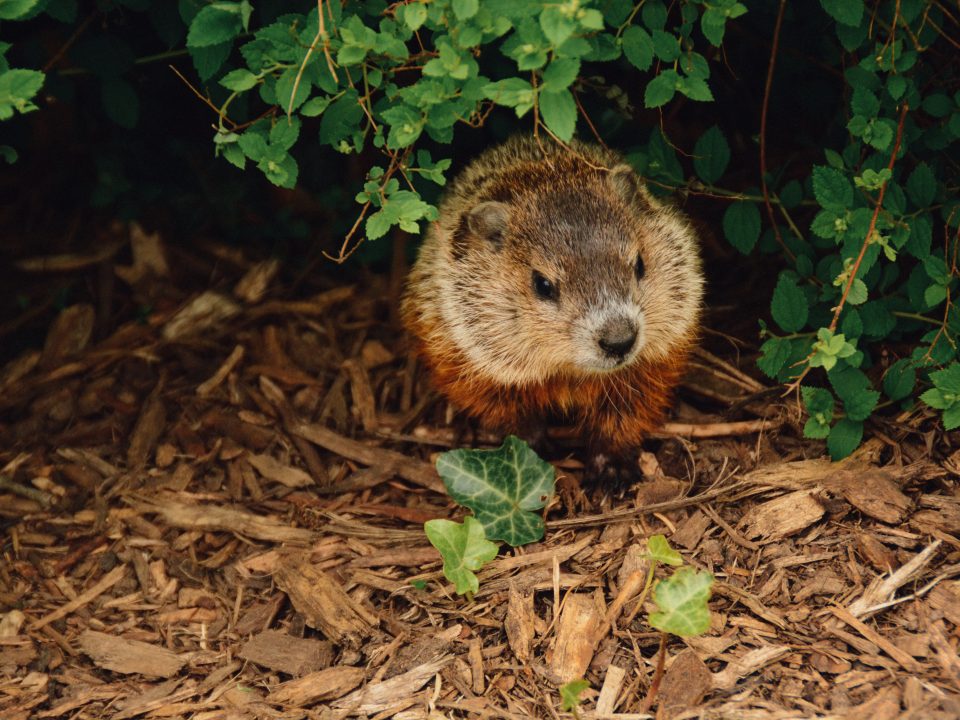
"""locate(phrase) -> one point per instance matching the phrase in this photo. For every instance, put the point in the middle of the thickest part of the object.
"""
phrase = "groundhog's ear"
(628, 186)
(489, 220)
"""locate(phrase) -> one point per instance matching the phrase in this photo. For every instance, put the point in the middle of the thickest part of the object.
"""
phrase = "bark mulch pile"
(216, 511)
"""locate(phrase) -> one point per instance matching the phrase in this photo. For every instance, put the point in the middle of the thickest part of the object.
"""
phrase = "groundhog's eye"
(543, 287)
(639, 268)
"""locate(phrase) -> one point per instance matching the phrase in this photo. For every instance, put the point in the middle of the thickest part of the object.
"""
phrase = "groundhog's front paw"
(615, 472)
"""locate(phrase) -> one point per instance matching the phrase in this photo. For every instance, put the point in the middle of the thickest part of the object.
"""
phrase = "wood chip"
(519, 623)
(130, 656)
(577, 628)
(272, 469)
(685, 683)
(105, 583)
(783, 516)
(323, 685)
(323, 603)
(281, 651)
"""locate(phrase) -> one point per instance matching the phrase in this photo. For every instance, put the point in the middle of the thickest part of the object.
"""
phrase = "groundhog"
(555, 288)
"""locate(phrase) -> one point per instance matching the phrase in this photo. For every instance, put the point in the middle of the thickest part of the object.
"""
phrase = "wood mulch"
(215, 512)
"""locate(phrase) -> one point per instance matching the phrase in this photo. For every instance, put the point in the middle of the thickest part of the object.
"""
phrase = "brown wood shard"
(130, 656)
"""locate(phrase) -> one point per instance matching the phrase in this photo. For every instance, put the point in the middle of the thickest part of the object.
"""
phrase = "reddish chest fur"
(612, 412)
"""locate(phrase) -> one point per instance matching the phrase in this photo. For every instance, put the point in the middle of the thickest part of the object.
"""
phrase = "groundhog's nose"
(617, 337)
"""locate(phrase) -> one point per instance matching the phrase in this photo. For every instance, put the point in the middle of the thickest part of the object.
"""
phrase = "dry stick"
(321, 35)
(763, 129)
(586, 117)
(863, 248)
(58, 55)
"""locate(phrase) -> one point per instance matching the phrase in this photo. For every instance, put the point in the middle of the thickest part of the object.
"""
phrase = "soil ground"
(215, 511)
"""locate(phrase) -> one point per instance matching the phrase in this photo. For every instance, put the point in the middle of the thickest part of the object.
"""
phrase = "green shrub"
(859, 208)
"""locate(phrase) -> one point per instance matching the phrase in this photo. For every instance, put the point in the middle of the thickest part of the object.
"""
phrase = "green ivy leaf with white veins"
(682, 602)
(464, 549)
(503, 487)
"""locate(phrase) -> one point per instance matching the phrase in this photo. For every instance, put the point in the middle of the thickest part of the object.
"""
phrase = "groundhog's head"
(565, 268)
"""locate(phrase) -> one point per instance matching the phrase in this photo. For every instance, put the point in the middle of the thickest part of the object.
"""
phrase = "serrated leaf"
(922, 186)
(858, 292)
(660, 551)
(239, 80)
(17, 89)
(464, 549)
(415, 15)
(844, 438)
(741, 225)
(341, 119)
(559, 112)
(665, 46)
(465, 9)
(560, 74)
(556, 25)
(711, 155)
(682, 602)
(774, 354)
(832, 188)
(899, 380)
(947, 379)
(120, 102)
(570, 694)
(638, 47)
(661, 89)
(16, 9)
(214, 24)
(848, 12)
(789, 306)
(503, 487)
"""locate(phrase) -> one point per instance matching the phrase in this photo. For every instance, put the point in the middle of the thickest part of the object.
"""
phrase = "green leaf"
(341, 119)
(682, 602)
(847, 12)
(696, 89)
(831, 188)
(120, 102)
(665, 46)
(464, 550)
(789, 307)
(711, 155)
(556, 25)
(17, 89)
(16, 9)
(239, 80)
(560, 74)
(947, 379)
(844, 438)
(214, 24)
(659, 550)
(570, 694)
(774, 354)
(503, 487)
(858, 292)
(414, 15)
(899, 380)
(922, 186)
(559, 111)
(741, 225)
(638, 47)
(951, 417)
(661, 89)
(465, 9)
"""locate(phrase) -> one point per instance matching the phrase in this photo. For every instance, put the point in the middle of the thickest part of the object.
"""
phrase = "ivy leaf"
(638, 47)
(659, 550)
(559, 111)
(789, 307)
(464, 549)
(741, 225)
(682, 602)
(844, 438)
(711, 155)
(831, 188)
(570, 694)
(503, 487)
